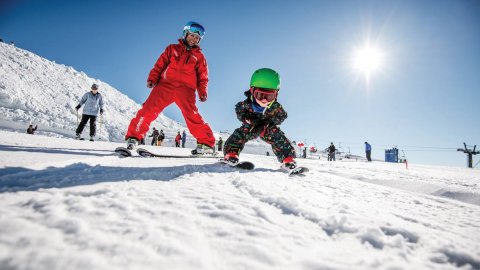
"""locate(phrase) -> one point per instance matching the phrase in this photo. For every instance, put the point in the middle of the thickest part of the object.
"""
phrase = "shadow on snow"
(22, 179)
(66, 151)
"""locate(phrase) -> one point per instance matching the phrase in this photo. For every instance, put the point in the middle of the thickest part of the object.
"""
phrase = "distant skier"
(161, 137)
(180, 70)
(31, 129)
(155, 135)
(331, 152)
(260, 115)
(184, 138)
(177, 139)
(93, 104)
(220, 144)
(368, 151)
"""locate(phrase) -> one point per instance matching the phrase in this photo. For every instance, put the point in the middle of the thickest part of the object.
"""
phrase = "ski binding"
(245, 165)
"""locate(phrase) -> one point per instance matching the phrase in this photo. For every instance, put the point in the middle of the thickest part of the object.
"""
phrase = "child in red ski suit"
(179, 71)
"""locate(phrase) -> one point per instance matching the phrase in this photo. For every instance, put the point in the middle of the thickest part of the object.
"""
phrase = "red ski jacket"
(181, 67)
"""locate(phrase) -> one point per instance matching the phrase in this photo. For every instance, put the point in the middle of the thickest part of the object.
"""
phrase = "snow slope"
(34, 90)
(67, 204)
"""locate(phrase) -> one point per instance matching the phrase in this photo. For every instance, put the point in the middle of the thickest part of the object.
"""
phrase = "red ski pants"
(163, 95)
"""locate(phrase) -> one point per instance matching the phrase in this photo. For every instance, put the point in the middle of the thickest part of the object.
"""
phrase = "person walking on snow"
(177, 139)
(220, 144)
(161, 137)
(155, 135)
(179, 71)
(93, 105)
(331, 152)
(368, 151)
(184, 138)
(260, 115)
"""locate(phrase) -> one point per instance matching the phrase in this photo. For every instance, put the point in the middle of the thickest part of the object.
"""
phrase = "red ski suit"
(177, 73)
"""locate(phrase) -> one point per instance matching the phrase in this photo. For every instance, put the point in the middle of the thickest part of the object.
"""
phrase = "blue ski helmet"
(195, 28)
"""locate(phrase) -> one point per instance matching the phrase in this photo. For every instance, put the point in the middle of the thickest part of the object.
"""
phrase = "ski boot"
(131, 143)
(77, 136)
(231, 159)
(202, 149)
(91, 138)
(288, 164)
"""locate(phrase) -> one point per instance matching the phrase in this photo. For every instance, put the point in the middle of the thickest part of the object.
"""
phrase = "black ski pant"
(83, 122)
(271, 134)
(154, 140)
(368, 154)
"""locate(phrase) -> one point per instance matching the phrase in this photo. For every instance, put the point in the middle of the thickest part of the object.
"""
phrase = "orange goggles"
(267, 94)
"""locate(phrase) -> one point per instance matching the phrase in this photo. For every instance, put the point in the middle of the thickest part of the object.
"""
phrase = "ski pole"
(77, 117)
(100, 130)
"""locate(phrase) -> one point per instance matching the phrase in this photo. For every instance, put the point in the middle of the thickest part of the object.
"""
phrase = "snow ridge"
(34, 90)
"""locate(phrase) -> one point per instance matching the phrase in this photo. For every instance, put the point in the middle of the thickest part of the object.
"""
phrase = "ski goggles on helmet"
(267, 94)
(196, 29)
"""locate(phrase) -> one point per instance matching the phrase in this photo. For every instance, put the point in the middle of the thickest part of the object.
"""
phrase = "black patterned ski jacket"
(272, 115)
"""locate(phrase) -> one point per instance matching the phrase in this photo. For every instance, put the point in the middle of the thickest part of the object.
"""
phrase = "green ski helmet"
(265, 78)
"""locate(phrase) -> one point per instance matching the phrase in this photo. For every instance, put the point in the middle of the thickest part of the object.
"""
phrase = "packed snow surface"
(67, 204)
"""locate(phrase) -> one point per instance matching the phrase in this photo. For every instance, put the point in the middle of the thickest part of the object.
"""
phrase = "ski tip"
(299, 171)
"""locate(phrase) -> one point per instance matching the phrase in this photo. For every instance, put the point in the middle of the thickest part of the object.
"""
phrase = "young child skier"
(179, 71)
(260, 115)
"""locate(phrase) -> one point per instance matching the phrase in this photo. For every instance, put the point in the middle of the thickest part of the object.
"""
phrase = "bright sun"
(367, 60)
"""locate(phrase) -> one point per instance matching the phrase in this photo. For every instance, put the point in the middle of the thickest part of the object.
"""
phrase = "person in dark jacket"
(368, 151)
(260, 115)
(331, 152)
(31, 129)
(93, 105)
(184, 138)
(161, 137)
(220, 144)
(155, 135)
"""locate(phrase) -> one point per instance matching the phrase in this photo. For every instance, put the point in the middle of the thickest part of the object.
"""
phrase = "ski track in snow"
(68, 204)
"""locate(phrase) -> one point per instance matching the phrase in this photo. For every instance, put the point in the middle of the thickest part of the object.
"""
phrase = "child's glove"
(78, 107)
(150, 84)
(101, 111)
(203, 98)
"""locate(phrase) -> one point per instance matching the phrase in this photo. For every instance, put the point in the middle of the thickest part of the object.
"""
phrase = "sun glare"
(367, 60)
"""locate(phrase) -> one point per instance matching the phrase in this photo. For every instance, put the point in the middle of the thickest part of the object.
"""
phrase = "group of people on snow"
(331, 151)
(157, 137)
(179, 73)
(181, 138)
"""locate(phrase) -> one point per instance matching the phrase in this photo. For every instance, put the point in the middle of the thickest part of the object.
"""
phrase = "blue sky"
(424, 98)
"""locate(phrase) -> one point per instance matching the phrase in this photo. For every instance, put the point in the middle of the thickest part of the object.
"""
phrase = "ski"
(298, 171)
(245, 165)
(123, 152)
(145, 153)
